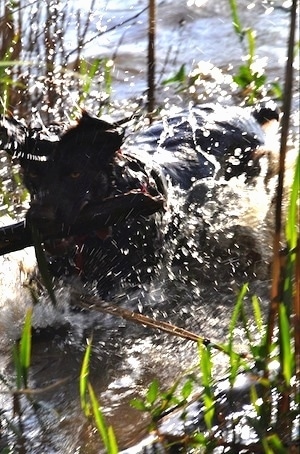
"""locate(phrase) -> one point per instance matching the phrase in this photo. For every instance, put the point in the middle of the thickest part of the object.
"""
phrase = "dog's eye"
(75, 175)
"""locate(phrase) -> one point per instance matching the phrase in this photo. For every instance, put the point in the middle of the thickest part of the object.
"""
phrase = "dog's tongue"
(63, 245)
(103, 233)
(59, 246)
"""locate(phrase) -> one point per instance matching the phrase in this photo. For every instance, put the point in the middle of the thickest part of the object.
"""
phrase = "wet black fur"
(65, 172)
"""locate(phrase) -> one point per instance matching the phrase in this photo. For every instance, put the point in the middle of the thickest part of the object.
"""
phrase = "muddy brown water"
(198, 295)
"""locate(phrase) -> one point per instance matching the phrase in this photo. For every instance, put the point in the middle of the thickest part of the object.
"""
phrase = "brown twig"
(277, 262)
(284, 423)
(151, 59)
(108, 30)
(97, 304)
(297, 311)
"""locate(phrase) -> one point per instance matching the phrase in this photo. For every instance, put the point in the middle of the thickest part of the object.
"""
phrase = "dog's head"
(85, 175)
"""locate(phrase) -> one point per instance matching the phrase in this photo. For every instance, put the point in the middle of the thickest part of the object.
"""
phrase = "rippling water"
(199, 294)
(187, 33)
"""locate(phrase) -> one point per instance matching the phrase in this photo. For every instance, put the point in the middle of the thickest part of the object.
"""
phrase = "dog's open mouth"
(95, 217)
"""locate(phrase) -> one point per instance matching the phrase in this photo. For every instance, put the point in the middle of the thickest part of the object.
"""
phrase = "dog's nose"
(40, 212)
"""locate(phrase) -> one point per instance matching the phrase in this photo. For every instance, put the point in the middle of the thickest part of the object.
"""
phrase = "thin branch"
(108, 30)
(277, 259)
(97, 304)
(151, 58)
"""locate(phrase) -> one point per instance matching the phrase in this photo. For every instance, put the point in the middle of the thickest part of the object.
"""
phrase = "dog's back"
(208, 142)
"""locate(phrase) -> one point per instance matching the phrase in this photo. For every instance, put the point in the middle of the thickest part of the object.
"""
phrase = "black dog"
(76, 176)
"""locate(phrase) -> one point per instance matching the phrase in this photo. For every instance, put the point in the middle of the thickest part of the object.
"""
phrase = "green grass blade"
(251, 45)
(286, 350)
(106, 434)
(187, 389)
(292, 237)
(108, 77)
(258, 317)
(237, 311)
(95, 67)
(83, 379)
(235, 360)
(205, 365)
(235, 19)
(293, 221)
(8, 63)
(152, 392)
(254, 400)
(178, 78)
(273, 445)
(98, 416)
(207, 380)
(113, 445)
(25, 347)
(138, 404)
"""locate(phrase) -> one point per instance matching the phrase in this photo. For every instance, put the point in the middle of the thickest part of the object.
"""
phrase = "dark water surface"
(199, 294)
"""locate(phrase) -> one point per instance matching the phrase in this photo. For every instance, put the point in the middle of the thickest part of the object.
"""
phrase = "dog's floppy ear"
(93, 136)
(13, 135)
(25, 143)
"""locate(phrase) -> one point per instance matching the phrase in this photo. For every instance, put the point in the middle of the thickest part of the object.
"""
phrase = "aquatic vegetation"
(41, 68)
(251, 78)
(91, 407)
(22, 354)
(11, 418)
(246, 410)
(249, 81)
